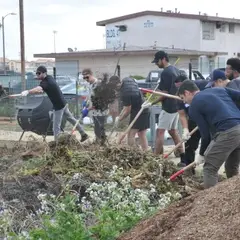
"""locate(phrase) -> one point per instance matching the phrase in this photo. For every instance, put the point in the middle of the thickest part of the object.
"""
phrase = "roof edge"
(93, 53)
(168, 14)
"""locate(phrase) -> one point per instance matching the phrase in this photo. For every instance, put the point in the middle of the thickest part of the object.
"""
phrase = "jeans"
(224, 147)
(192, 144)
(99, 129)
(57, 120)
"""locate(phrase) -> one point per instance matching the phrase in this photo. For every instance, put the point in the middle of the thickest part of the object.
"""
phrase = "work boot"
(84, 137)
(181, 164)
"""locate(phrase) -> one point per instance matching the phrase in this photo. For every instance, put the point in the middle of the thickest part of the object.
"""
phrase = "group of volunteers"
(212, 106)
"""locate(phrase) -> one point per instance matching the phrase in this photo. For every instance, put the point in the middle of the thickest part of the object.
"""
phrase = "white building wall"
(223, 41)
(172, 32)
(166, 31)
(130, 65)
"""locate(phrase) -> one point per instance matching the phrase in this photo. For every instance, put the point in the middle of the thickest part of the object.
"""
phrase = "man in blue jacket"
(214, 110)
(188, 125)
(219, 79)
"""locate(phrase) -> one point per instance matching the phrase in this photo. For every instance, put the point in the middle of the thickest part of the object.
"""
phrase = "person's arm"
(183, 118)
(197, 116)
(37, 89)
(125, 112)
(234, 94)
(164, 86)
(126, 107)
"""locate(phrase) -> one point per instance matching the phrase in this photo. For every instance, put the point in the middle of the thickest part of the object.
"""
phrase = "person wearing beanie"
(60, 106)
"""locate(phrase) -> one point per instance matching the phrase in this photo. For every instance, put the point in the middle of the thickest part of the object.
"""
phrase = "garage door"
(67, 68)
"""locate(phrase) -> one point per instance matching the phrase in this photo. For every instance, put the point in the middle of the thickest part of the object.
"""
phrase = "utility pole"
(3, 40)
(22, 44)
(54, 40)
(4, 54)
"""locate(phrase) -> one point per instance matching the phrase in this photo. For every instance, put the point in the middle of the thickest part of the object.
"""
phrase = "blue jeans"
(57, 120)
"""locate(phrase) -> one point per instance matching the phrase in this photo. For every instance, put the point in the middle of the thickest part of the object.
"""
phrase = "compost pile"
(28, 170)
(210, 214)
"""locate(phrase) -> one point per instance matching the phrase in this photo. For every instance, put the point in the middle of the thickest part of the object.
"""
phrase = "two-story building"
(205, 41)
(174, 30)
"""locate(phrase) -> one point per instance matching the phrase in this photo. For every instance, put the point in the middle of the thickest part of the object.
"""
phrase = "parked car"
(64, 80)
(31, 82)
(154, 77)
(71, 92)
(209, 77)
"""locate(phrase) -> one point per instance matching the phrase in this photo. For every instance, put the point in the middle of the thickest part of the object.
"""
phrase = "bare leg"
(176, 138)
(131, 137)
(159, 141)
(143, 140)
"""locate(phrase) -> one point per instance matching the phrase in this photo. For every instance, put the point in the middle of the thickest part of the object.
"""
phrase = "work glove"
(199, 159)
(84, 112)
(116, 123)
(185, 134)
(25, 93)
(146, 105)
(84, 104)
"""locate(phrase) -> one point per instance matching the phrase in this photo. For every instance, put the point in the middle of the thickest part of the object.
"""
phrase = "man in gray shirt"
(168, 118)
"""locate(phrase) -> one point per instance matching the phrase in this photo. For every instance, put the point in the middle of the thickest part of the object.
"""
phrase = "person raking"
(60, 106)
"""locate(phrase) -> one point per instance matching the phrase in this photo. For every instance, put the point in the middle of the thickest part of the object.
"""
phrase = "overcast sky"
(75, 21)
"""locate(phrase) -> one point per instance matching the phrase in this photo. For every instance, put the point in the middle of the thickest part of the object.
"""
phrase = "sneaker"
(181, 164)
(84, 137)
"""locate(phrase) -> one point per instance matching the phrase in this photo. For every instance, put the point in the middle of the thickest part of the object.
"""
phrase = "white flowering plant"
(106, 210)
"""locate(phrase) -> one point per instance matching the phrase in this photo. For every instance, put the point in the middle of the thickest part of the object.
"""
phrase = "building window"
(231, 27)
(223, 28)
(208, 31)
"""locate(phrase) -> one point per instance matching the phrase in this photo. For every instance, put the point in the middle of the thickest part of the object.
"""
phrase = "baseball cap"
(159, 56)
(41, 69)
(216, 74)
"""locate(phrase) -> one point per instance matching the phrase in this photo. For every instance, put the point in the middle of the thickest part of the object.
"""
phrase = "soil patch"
(210, 214)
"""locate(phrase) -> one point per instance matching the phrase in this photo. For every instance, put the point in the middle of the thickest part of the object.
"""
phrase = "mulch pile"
(212, 214)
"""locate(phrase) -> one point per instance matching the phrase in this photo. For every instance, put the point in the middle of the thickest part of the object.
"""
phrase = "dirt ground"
(210, 214)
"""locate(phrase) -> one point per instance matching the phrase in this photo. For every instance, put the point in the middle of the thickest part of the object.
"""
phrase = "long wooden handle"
(175, 175)
(145, 90)
(152, 93)
(135, 119)
(180, 143)
(15, 95)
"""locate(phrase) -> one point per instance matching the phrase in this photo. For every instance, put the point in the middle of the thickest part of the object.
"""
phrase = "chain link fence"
(75, 90)
(74, 87)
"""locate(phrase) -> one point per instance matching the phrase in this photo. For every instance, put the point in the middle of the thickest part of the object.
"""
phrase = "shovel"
(136, 117)
(141, 110)
(154, 92)
(180, 143)
(175, 175)
(11, 96)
